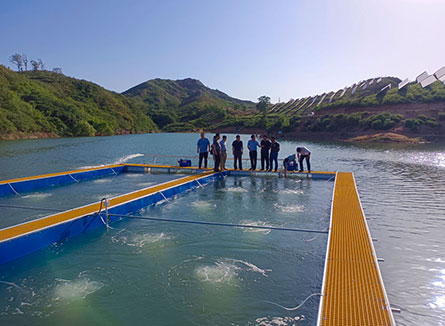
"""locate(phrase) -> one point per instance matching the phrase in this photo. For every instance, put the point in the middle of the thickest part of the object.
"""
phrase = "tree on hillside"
(57, 70)
(25, 61)
(263, 104)
(17, 59)
(37, 64)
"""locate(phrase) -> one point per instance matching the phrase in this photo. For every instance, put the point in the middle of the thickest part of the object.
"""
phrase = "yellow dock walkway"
(11, 232)
(353, 292)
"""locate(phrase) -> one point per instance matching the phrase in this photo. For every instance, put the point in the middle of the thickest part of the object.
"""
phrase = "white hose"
(297, 307)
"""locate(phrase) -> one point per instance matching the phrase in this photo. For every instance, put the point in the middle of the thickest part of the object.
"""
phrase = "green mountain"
(48, 104)
(187, 104)
(44, 103)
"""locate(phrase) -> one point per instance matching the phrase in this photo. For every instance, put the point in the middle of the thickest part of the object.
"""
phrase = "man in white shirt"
(304, 153)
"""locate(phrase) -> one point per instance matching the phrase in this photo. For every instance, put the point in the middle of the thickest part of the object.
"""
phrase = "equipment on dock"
(183, 162)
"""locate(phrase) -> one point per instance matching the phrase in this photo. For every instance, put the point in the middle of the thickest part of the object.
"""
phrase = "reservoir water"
(159, 274)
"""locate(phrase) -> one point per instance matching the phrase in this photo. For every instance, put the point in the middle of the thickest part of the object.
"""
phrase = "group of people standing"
(269, 152)
(218, 149)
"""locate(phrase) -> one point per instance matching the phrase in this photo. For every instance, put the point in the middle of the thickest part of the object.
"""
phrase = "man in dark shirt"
(274, 149)
(237, 149)
(216, 151)
(265, 147)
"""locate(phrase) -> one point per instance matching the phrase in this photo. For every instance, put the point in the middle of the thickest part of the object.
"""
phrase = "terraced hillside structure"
(369, 106)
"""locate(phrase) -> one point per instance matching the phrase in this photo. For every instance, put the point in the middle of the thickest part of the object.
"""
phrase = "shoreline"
(352, 137)
(390, 137)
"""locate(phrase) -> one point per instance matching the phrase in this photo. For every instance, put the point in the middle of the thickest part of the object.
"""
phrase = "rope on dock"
(73, 178)
(12, 188)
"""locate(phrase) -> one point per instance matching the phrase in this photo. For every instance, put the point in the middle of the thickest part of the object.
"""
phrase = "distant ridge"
(186, 104)
(48, 104)
(181, 92)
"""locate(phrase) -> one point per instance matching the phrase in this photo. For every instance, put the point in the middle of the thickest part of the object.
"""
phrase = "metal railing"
(177, 157)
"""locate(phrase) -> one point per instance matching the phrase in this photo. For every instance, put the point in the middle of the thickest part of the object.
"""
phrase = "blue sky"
(247, 48)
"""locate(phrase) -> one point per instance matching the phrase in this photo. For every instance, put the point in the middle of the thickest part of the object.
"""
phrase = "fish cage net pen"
(175, 220)
(220, 224)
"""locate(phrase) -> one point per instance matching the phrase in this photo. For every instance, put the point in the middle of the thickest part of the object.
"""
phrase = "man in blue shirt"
(203, 150)
(252, 145)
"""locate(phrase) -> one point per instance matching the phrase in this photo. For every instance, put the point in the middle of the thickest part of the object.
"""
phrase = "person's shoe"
(261, 169)
(275, 170)
(308, 171)
(270, 170)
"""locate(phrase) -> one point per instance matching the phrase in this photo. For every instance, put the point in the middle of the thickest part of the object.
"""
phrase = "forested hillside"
(185, 105)
(48, 104)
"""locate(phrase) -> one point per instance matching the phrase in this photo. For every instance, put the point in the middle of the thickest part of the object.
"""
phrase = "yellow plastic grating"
(353, 293)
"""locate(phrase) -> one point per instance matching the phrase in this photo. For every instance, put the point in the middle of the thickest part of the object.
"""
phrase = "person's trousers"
(273, 158)
(204, 156)
(264, 158)
(217, 158)
(308, 163)
(253, 159)
(223, 160)
(237, 158)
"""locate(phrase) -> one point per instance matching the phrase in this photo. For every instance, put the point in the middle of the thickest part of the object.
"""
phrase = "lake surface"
(402, 189)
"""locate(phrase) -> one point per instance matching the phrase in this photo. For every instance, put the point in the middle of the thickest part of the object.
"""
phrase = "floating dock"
(231, 172)
(33, 183)
(24, 238)
(352, 292)
(20, 185)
